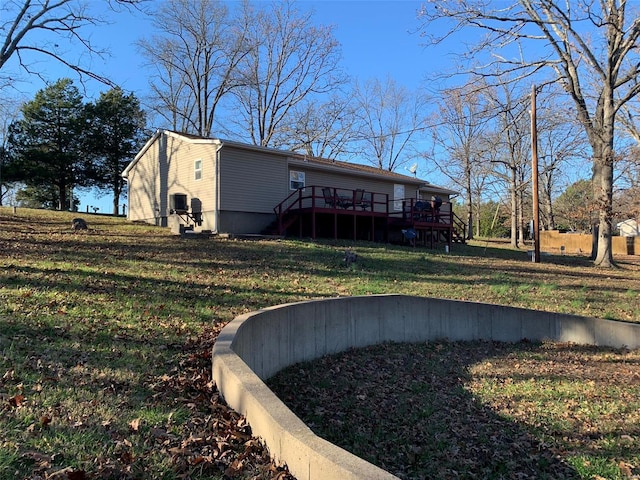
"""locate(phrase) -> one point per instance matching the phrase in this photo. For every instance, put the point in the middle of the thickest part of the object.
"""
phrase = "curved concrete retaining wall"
(255, 346)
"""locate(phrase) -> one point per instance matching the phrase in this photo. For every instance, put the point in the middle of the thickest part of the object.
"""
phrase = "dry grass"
(105, 335)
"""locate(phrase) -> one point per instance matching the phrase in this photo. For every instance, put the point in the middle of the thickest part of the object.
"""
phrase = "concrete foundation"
(255, 346)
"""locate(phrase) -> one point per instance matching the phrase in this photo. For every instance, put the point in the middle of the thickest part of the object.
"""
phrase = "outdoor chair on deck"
(355, 200)
(367, 201)
(329, 198)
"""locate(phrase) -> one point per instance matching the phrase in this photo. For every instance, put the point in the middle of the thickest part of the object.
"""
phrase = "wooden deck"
(313, 214)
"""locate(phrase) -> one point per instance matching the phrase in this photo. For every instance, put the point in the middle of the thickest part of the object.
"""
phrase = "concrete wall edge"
(254, 346)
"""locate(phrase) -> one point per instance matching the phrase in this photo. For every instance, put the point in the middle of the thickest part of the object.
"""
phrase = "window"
(197, 170)
(296, 180)
(398, 197)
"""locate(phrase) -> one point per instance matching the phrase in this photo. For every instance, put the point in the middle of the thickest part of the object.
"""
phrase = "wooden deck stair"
(458, 227)
(279, 226)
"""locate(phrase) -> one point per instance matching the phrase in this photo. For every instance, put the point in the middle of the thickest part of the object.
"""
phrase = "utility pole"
(534, 178)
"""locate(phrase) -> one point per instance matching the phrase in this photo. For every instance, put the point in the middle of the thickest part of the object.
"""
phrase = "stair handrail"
(458, 222)
(278, 208)
(290, 201)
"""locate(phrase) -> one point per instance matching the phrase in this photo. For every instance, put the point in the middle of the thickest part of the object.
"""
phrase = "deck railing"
(413, 213)
(461, 227)
(341, 199)
(423, 211)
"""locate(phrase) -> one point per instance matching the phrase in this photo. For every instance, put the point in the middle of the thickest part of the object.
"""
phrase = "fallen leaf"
(42, 460)
(234, 469)
(625, 469)
(126, 458)
(135, 424)
(16, 401)
(180, 451)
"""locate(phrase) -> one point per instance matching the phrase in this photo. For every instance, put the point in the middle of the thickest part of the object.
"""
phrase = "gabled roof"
(296, 158)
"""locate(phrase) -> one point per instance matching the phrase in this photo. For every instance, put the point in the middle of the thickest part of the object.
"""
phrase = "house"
(628, 228)
(184, 181)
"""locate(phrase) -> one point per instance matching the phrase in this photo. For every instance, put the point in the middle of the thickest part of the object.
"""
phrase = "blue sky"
(375, 35)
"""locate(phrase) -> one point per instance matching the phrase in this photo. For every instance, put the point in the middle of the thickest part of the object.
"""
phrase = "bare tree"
(391, 118)
(591, 48)
(34, 29)
(323, 129)
(561, 146)
(196, 56)
(290, 61)
(511, 157)
(465, 116)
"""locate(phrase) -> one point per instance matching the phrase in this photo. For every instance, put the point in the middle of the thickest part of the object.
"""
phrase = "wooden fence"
(576, 243)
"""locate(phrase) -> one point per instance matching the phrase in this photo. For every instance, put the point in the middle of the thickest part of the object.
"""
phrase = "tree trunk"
(116, 200)
(550, 223)
(477, 218)
(63, 201)
(514, 209)
(520, 220)
(603, 195)
(469, 207)
(603, 178)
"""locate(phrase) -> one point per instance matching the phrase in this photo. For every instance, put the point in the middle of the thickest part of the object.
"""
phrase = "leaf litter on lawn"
(105, 357)
(475, 409)
(106, 336)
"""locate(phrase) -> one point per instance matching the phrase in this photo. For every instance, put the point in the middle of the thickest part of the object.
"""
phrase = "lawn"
(105, 340)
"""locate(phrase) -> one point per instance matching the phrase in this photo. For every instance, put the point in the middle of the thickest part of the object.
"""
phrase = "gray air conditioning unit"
(178, 203)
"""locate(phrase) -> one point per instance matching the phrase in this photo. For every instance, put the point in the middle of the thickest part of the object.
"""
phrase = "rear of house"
(180, 180)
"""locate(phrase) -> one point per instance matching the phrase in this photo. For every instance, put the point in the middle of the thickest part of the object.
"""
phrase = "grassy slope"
(105, 334)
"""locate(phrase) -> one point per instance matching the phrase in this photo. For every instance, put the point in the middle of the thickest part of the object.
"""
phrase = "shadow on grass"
(409, 409)
(251, 275)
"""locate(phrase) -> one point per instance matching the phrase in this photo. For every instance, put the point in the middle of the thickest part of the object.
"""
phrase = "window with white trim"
(296, 180)
(398, 196)
(197, 169)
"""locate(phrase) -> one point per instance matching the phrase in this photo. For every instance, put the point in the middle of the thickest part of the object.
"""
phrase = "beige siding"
(144, 187)
(168, 168)
(252, 181)
(328, 179)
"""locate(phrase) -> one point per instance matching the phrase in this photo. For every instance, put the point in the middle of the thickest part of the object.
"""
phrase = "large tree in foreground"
(592, 49)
